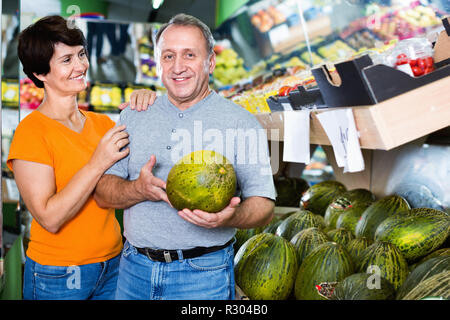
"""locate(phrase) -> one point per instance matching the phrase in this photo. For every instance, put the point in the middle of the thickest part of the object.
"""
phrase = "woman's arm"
(36, 182)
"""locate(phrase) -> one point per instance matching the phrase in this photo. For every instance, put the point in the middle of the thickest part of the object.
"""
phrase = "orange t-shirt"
(93, 235)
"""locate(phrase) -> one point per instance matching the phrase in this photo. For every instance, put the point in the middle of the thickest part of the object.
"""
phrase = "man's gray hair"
(182, 19)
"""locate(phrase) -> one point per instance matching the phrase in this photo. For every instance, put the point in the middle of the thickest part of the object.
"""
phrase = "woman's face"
(68, 68)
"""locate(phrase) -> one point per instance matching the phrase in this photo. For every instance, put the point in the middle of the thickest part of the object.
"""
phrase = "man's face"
(184, 64)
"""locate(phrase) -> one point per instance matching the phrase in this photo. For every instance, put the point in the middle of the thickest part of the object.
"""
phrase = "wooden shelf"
(386, 125)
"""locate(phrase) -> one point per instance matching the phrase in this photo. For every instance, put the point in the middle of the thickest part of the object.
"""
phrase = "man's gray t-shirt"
(163, 130)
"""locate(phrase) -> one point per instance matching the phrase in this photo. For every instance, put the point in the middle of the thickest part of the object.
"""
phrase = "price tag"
(287, 107)
(296, 136)
(339, 125)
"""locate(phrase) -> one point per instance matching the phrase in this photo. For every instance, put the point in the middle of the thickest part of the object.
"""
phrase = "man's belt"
(172, 255)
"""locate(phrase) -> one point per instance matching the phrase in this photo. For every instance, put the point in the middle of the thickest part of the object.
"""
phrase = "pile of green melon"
(344, 244)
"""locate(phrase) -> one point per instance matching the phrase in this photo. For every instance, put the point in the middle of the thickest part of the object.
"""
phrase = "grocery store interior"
(354, 91)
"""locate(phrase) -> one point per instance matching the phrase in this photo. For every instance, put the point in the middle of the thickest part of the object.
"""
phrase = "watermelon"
(317, 198)
(377, 212)
(435, 286)
(422, 272)
(300, 220)
(326, 265)
(289, 191)
(265, 267)
(307, 240)
(342, 236)
(202, 180)
(415, 233)
(356, 246)
(335, 209)
(363, 286)
(351, 215)
(273, 225)
(386, 260)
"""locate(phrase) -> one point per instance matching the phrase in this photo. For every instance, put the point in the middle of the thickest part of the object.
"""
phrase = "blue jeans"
(95, 281)
(208, 277)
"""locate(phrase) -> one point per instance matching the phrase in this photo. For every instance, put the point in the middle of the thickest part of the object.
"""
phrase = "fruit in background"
(416, 233)
(30, 95)
(355, 287)
(202, 180)
(387, 260)
(377, 212)
(229, 67)
(319, 196)
(326, 265)
(265, 267)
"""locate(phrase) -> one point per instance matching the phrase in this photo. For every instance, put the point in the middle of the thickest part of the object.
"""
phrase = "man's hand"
(211, 220)
(149, 186)
(140, 100)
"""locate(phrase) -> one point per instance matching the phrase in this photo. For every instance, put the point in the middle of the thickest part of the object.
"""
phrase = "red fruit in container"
(421, 63)
(417, 71)
(413, 62)
(402, 59)
(284, 91)
(429, 62)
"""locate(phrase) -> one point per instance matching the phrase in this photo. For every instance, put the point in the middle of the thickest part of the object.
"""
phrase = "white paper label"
(339, 125)
(296, 136)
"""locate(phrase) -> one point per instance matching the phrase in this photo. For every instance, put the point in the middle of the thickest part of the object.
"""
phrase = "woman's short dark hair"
(37, 42)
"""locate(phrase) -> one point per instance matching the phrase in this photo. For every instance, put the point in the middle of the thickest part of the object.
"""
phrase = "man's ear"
(212, 62)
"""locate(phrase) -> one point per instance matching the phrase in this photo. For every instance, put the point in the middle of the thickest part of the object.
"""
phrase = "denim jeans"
(95, 281)
(208, 277)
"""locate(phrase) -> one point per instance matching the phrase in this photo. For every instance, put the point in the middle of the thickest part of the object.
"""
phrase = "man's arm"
(115, 192)
(252, 212)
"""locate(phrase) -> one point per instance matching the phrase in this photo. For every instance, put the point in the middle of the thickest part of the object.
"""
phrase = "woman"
(58, 154)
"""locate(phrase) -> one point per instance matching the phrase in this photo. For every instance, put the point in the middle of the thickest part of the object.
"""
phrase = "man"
(185, 254)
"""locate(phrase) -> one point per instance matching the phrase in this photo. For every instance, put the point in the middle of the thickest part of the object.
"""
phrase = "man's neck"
(186, 104)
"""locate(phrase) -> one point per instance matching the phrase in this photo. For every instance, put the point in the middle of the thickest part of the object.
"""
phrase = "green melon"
(317, 198)
(363, 286)
(202, 180)
(335, 209)
(386, 260)
(297, 222)
(326, 265)
(341, 235)
(289, 191)
(265, 267)
(351, 215)
(422, 272)
(356, 246)
(243, 235)
(306, 241)
(377, 212)
(443, 252)
(435, 286)
(415, 233)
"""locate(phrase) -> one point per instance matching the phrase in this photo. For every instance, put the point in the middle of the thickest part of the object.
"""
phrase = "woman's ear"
(40, 77)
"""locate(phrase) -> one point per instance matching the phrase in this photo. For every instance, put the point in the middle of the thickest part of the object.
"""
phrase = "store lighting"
(157, 3)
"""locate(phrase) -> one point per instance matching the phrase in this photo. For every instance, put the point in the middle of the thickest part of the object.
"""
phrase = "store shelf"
(385, 125)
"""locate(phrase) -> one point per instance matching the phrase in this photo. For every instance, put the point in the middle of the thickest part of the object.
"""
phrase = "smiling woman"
(58, 154)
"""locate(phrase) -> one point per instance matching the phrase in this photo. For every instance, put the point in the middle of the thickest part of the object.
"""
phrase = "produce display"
(30, 95)
(202, 180)
(399, 252)
(229, 66)
(10, 93)
(104, 97)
